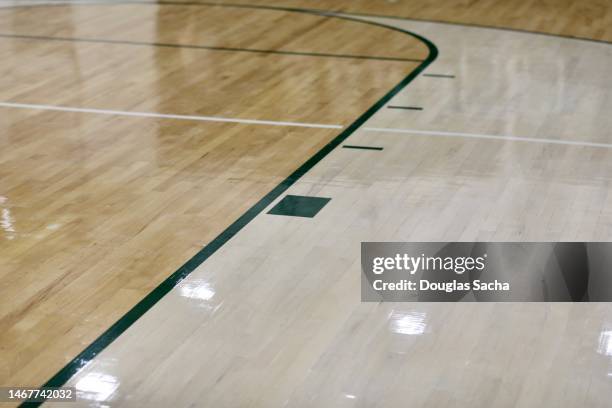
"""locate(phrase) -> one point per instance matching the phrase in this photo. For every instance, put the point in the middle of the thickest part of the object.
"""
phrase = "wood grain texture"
(590, 19)
(274, 318)
(97, 210)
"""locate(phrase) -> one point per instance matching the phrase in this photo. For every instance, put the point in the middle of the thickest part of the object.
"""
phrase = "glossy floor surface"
(275, 319)
(98, 209)
(588, 19)
(512, 143)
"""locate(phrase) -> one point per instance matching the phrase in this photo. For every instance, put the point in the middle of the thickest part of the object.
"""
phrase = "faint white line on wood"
(493, 137)
(166, 116)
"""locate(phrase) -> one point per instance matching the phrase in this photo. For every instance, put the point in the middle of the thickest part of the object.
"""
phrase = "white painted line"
(493, 137)
(9, 3)
(166, 116)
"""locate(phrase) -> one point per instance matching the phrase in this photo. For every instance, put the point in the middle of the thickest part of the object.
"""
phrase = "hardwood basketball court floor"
(152, 158)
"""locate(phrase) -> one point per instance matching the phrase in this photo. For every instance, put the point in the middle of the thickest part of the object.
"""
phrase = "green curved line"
(113, 332)
(348, 13)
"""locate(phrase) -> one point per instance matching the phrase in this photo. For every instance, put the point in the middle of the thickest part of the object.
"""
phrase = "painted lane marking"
(492, 137)
(165, 116)
(439, 76)
(111, 334)
(416, 108)
(299, 206)
(361, 147)
(203, 47)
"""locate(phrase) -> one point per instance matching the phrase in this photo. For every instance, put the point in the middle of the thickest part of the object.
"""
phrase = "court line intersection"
(113, 332)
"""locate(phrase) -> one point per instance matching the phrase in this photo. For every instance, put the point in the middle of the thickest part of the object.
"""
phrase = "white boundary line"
(493, 137)
(10, 3)
(166, 116)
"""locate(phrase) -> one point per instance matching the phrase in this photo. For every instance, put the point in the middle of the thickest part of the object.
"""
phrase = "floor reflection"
(97, 386)
(409, 323)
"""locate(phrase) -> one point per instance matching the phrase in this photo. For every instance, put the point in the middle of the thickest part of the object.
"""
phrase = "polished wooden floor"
(274, 317)
(97, 209)
(591, 19)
